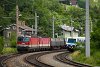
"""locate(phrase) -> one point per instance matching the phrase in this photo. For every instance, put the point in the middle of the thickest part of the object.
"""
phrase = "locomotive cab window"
(23, 39)
(71, 40)
(20, 39)
(26, 39)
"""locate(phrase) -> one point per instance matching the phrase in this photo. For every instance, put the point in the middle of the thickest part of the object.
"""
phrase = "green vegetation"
(9, 50)
(81, 3)
(13, 40)
(94, 60)
(45, 9)
(1, 44)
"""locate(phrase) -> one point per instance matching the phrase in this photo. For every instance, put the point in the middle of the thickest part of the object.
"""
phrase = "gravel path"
(19, 61)
(49, 59)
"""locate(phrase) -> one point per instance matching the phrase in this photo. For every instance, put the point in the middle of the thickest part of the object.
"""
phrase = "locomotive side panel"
(34, 44)
(44, 43)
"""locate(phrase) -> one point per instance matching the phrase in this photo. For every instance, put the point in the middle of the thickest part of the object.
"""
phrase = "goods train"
(36, 43)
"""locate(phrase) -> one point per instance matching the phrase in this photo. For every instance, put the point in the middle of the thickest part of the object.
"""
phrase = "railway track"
(4, 58)
(63, 57)
(34, 59)
(24, 60)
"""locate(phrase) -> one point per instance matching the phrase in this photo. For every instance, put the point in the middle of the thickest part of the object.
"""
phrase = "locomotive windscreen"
(26, 39)
(71, 40)
(20, 39)
(23, 39)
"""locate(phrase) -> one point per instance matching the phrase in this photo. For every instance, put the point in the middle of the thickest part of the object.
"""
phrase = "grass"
(9, 50)
(94, 60)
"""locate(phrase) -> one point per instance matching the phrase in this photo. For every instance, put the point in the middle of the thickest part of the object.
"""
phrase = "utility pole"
(87, 30)
(36, 23)
(32, 29)
(71, 28)
(53, 32)
(17, 17)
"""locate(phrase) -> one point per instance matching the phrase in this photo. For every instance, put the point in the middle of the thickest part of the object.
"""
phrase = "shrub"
(1, 44)
(80, 46)
(13, 39)
(13, 43)
(9, 50)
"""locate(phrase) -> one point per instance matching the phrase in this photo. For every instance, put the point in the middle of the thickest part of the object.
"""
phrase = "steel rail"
(63, 57)
(33, 59)
(5, 57)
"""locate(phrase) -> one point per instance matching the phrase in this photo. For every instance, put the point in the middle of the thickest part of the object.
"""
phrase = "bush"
(9, 50)
(13, 40)
(13, 43)
(1, 44)
(96, 56)
(80, 57)
(95, 39)
(80, 46)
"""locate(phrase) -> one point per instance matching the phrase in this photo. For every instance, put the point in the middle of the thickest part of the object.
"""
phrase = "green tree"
(45, 9)
(3, 21)
(94, 13)
(1, 44)
(13, 39)
(81, 3)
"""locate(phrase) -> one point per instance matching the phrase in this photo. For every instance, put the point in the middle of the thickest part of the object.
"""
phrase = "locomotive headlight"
(72, 46)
